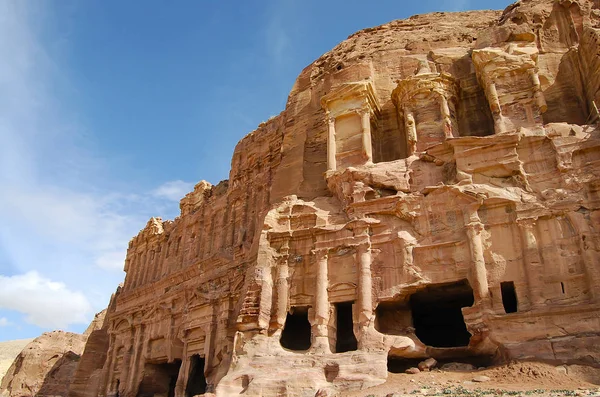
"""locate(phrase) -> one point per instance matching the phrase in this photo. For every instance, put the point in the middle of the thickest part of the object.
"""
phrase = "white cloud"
(173, 190)
(4, 322)
(45, 303)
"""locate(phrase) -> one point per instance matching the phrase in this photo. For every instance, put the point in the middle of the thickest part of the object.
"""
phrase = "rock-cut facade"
(432, 189)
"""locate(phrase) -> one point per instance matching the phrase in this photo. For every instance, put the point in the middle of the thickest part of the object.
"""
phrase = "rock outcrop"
(46, 365)
(430, 190)
(9, 350)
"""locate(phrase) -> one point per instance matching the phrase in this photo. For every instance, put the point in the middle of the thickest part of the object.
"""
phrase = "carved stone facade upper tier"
(432, 189)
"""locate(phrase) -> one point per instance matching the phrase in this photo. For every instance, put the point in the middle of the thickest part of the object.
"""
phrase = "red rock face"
(430, 190)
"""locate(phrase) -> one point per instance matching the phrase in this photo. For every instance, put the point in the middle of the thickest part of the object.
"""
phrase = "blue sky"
(110, 111)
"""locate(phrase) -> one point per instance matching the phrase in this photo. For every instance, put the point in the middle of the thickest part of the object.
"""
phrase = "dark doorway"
(197, 381)
(159, 379)
(345, 339)
(296, 331)
(509, 297)
(437, 315)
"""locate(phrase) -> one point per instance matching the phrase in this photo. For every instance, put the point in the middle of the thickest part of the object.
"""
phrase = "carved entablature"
(427, 103)
(509, 76)
(352, 112)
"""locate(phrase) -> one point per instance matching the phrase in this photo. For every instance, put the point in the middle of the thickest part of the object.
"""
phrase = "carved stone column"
(365, 283)
(110, 364)
(320, 333)
(182, 377)
(474, 228)
(134, 367)
(282, 291)
(532, 261)
(128, 355)
(445, 112)
(495, 107)
(365, 117)
(538, 95)
(331, 150)
(411, 130)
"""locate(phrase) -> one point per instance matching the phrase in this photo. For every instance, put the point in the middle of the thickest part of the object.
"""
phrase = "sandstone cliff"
(430, 190)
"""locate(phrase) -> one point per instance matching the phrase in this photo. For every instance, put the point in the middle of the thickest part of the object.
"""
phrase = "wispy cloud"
(277, 36)
(4, 322)
(173, 190)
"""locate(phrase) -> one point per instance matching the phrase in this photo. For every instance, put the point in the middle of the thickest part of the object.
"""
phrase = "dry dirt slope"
(8, 351)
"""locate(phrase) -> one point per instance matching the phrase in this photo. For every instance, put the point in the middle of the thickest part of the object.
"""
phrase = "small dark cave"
(296, 331)
(437, 315)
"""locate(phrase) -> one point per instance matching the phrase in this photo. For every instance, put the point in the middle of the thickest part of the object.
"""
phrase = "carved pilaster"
(365, 292)
(411, 131)
(365, 117)
(532, 261)
(282, 289)
(538, 94)
(320, 333)
(474, 227)
(331, 150)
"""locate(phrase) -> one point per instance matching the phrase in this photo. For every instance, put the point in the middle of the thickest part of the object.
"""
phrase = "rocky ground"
(516, 379)
(8, 351)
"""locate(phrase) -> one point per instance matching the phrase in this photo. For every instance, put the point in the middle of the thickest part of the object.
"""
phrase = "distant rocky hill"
(8, 351)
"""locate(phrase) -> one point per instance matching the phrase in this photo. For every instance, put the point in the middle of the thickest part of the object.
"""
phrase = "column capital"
(475, 226)
(322, 253)
(527, 223)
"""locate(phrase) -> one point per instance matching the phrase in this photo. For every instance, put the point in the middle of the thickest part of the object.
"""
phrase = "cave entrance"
(345, 339)
(159, 379)
(296, 331)
(437, 315)
(196, 381)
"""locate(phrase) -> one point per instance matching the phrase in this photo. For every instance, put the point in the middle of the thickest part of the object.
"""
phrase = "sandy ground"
(8, 351)
(517, 379)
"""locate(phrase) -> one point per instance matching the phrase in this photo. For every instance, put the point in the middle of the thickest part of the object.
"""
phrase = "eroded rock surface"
(45, 366)
(430, 190)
